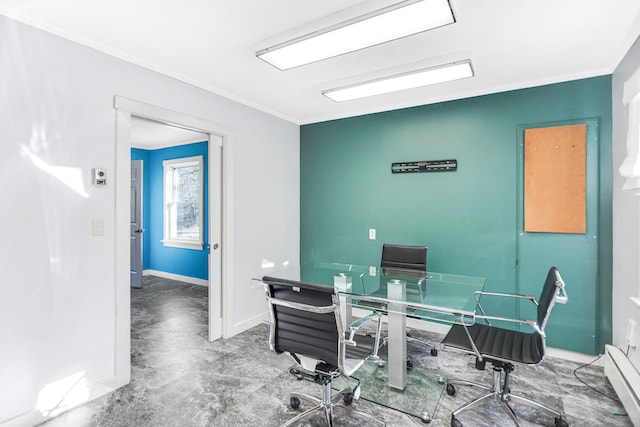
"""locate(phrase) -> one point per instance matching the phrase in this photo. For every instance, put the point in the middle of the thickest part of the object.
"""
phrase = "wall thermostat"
(99, 176)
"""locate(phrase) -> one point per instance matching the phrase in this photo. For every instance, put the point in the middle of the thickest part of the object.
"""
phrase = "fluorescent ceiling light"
(407, 80)
(393, 22)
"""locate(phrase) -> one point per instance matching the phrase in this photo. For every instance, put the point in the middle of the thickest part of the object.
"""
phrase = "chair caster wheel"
(426, 418)
(296, 372)
(409, 364)
(434, 352)
(294, 402)
(451, 389)
(348, 398)
(455, 422)
(561, 422)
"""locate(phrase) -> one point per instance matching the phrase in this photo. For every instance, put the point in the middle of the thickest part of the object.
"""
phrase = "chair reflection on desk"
(402, 261)
(306, 323)
(503, 347)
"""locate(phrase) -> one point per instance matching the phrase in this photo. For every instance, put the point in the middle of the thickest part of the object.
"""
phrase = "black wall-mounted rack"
(425, 166)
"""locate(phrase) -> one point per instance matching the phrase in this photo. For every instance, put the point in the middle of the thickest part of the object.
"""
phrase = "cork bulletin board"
(555, 161)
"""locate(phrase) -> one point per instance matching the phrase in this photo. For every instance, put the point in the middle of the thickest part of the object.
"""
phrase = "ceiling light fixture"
(402, 81)
(389, 23)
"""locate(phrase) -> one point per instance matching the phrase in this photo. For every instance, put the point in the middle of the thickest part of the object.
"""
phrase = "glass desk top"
(431, 296)
(440, 297)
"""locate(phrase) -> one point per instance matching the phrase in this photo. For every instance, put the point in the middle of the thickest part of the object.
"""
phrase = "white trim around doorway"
(222, 313)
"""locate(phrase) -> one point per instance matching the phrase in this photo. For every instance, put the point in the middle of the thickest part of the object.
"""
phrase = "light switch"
(372, 234)
(97, 227)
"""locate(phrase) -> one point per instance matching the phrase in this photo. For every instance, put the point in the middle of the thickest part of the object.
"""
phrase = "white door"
(136, 224)
(215, 236)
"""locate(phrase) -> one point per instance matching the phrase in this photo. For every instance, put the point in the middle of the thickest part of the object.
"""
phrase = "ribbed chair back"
(310, 332)
(404, 257)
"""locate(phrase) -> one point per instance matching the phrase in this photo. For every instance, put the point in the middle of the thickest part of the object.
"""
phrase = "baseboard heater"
(625, 380)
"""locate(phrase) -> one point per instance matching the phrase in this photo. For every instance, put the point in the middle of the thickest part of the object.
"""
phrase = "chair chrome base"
(499, 392)
(327, 405)
(434, 348)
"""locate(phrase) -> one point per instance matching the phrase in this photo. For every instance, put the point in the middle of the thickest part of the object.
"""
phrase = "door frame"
(221, 143)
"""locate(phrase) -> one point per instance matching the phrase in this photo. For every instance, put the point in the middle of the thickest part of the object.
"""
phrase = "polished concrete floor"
(179, 378)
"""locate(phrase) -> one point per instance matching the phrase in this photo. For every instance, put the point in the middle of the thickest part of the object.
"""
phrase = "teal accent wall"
(156, 256)
(467, 218)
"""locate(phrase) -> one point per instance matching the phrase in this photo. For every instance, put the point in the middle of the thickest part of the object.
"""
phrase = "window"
(630, 168)
(183, 224)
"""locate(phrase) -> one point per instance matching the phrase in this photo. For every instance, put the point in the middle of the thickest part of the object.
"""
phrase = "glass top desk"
(445, 298)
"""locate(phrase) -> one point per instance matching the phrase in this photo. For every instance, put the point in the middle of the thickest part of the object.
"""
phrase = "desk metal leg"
(345, 311)
(397, 346)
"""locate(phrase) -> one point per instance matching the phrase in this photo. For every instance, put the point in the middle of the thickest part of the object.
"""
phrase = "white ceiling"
(151, 135)
(212, 44)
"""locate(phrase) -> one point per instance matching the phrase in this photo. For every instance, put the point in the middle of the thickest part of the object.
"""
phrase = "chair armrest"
(562, 297)
(353, 328)
(478, 294)
(533, 324)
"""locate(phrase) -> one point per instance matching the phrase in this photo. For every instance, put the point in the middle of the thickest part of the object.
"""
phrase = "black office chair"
(396, 257)
(504, 347)
(306, 323)
(407, 261)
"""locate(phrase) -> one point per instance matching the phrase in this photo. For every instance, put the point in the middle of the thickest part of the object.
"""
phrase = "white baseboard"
(247, 324)
(439, 328)
(575, 356)
(36, 417)
(178, 277)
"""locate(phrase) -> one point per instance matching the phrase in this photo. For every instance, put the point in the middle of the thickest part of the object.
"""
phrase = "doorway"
(153, 144)
(220, 143)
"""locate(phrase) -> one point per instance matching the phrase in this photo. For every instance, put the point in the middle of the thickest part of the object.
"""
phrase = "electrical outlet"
(372, 234)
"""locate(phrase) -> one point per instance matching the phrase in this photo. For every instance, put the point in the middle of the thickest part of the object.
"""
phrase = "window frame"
(169, 167)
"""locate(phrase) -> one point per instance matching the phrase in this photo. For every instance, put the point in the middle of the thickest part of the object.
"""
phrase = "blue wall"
(156, 256)
(467, 218)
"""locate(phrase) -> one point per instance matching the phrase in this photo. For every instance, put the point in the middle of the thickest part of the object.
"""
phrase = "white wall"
(626, 219)
(57, 282)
